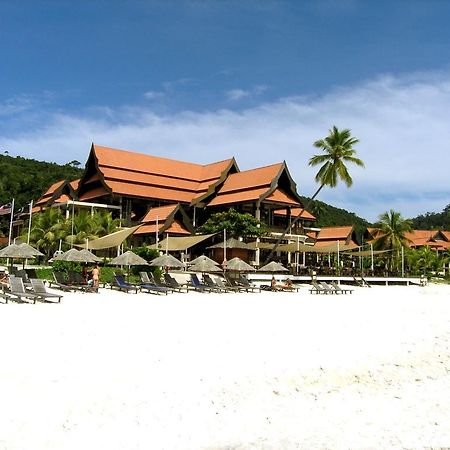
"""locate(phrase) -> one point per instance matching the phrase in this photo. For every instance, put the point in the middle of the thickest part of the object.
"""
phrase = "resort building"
(435, 240)
(345, 235)
(175, 197)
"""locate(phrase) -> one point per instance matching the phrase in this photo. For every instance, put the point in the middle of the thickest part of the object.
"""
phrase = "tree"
(338, 150)
(392, 229)
(90, 226)
(237, 224)
(47, 230)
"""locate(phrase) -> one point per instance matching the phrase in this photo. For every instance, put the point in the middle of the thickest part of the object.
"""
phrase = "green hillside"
(25, 179)
(433, 221)
(328, 216)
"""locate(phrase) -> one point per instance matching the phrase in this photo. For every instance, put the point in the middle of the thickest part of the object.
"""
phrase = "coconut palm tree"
(47, 230)
(87, 226)
(338, 150)
(392, 229)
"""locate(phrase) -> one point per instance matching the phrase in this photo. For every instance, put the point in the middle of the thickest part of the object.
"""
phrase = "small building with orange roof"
(164, 219)
(345, 235)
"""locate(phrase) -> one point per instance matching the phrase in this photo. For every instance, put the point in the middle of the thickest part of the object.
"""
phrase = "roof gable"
(139, 175)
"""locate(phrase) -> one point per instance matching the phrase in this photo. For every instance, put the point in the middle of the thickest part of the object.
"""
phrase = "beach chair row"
(153, 283)
(322, 287)
(28, 293)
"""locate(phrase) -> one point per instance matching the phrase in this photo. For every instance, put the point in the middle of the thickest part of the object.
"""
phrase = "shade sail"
(174, 244)
(296, 247)
(367, 252)
(110, 240)
(233, 243)
(264, 245)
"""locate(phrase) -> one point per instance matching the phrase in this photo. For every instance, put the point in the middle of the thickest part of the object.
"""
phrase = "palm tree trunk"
(274, 248)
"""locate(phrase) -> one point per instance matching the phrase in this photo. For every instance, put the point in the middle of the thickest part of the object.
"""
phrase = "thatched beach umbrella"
(273, 267)
(88, 254)
(166, 261)
(201, 259)
(239, 265)
(21, 251)
(128, 259)
(205, 265)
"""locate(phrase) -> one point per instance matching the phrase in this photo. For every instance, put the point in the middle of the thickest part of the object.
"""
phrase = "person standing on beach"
(96, 277)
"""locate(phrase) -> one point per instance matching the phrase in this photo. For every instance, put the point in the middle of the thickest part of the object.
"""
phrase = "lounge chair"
(318, 289)
(40, 289)
(243, 281)
(31, 273)
(120, 283)
(77, 279)
(340, 289)
(197, 286)
(20, 273)
(61, 283)
(212, 284)
(149, 286)
(17, 291)
(157, 281)
(228, 287)
(329, 288)
(3, 295)
(173, 283)
(232, 282)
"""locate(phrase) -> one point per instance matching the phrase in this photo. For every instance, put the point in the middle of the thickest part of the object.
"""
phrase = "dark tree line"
(433, 221)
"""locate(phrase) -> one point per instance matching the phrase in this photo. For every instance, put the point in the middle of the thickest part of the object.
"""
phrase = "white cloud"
(154, 95)
(402, 124)
(239, 94)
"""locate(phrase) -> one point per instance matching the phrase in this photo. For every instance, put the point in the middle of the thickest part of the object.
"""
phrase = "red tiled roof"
(335, 233)
(161, 213)
(251, 185)
(250, 179)
(175, 228)
(52, 191)
(94, 193)
(140, 175)
(294, 213)
(279, 196)
(342, 242)
(237, 197)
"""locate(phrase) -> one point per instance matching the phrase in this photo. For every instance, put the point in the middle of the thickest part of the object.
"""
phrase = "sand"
(228, 371)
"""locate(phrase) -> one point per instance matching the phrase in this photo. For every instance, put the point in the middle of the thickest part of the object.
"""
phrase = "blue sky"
(258, 80)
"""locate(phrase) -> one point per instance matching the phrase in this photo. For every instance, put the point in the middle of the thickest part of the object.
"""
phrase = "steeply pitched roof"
(61, 191)
(294, 213)
(428, 238)
(139, 175)
(161, 213)
(168, 218)
(335, 233)
(256, 185)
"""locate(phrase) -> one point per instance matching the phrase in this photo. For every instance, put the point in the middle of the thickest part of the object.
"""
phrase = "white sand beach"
(228, 371)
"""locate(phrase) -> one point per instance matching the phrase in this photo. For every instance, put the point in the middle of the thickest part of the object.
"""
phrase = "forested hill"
(25, 179)
(433, 221)
(328, 216)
